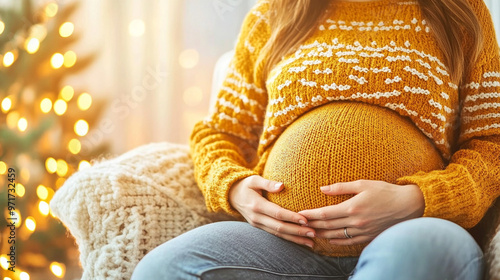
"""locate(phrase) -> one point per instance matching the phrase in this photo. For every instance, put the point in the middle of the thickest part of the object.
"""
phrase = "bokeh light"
(44, 208)
(20, 190)
(22, 124)
(51, 9)
(57, 60)
(3, 167)
(189, 58)
(60, 107)
(6, 104)
(66, 29)
(58, 269)
(30, 223)
(83, 164)
(62, 168)
(24, 276)
(8, 59)
(84, 101)
(2, 27)
(74, 146)
(42, 192)
(69, 59)
(12, 119)
(67, 93)
(81, 127)
(51, 165)
(32, 45)
(46, 105)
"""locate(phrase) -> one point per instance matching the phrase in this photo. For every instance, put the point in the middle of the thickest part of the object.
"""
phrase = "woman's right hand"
(246, 197)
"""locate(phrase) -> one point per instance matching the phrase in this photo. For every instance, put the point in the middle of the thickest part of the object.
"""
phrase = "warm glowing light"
(136, 28)
(44, 208)
(188, 58)
(62, 168)
(42, 192)
(14, 216)
(7, 278)
(74, 146)
(193, 96)
(6, 104)
(22, 124)
(46, 105)
(3, 167)
(66, 29)
(51, 9)
(69, 59)
(58, 269)
(57, 60)
(59, 182)
(38, 31)
(84, 101)
(24, 276)
(81, 128)
(30, 223)
(32, 45)
(51, 165)
(83, 164)
(25, 174)
(2, 27)
(67, 93)
(20, 190)
(12, 119)
(60, 107)
(8, 59)
(4, 262)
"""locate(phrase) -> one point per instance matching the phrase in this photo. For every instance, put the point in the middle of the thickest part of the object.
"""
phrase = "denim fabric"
(424, 248)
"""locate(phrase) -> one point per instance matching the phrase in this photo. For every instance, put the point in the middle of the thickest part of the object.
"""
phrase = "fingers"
(327, 213)
(273, 210)
(330, 224)
(291, 232)
(353, 187)
(259, 183)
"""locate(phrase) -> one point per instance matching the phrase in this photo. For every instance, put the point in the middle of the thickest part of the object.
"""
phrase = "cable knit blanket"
(120, 209)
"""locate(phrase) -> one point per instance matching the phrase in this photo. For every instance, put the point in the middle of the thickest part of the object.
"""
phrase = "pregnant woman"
(357, 139)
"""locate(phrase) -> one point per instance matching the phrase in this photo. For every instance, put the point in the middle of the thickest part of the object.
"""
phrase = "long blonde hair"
(451, 21)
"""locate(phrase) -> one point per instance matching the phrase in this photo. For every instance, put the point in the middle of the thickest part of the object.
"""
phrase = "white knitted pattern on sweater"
(120, 209)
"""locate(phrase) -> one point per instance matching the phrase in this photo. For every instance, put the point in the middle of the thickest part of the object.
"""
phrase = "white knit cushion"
(120, 209)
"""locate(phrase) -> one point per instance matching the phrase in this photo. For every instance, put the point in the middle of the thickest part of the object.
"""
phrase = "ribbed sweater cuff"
(223, 179)
(444, 194)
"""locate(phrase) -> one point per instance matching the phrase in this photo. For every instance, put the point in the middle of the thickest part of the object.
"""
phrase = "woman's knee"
(422, 246)
(185, 256)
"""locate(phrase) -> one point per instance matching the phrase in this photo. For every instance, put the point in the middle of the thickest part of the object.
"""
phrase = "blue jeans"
(423, 248)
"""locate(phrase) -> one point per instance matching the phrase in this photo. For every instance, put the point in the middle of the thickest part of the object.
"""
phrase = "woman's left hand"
(375, 206)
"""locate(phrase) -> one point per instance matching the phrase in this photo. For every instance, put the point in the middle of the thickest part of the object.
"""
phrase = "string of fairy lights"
(16, 121)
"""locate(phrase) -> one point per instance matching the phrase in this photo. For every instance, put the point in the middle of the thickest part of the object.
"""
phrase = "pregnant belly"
(342, 142)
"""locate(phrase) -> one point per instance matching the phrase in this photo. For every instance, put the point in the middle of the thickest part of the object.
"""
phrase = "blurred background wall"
(154, 64)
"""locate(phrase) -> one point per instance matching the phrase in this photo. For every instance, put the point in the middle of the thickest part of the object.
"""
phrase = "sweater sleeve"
(468, 186)
(223, 146)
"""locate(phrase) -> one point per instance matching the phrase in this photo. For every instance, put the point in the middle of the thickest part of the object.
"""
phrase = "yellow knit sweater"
(367, 96)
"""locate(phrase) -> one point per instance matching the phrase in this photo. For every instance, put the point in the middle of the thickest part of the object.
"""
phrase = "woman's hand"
(246, 197)
(376, 206)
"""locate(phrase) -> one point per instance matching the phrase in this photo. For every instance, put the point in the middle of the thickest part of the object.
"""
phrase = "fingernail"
(325, 188)
(310, 234)
(302, 222)
(277, 185)
(309, 245)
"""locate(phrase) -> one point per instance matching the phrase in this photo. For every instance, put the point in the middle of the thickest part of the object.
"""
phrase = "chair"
(121, 208)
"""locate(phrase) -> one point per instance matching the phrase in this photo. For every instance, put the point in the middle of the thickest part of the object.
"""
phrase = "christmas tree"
(42, 124)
